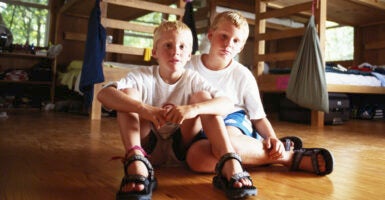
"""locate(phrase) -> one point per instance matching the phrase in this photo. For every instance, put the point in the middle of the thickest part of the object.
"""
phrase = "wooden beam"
(372, 3)
(118, 48)
(296, 32)
(237, 5)
(354, 89)
(286, 11)
(75, 36)
(289, 55)
(146, 5)
(124, 25)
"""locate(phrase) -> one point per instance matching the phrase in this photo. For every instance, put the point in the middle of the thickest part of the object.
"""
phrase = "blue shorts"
(240, 120)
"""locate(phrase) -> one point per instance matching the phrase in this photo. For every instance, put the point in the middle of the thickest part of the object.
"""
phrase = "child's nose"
(175, 50)
(228, 43)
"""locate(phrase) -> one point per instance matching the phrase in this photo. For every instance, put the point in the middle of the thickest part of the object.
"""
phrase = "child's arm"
(271, 142)
(118, 100)
(216, 106)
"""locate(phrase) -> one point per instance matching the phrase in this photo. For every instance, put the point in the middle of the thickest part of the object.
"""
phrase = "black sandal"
(150, 183)
(313, 152)
(221, 182)
(287, 140)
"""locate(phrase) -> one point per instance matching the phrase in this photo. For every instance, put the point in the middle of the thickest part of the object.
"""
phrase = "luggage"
(339, 110)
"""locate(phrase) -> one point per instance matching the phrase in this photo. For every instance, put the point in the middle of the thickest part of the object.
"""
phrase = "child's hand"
(153, 114)
(274, 147)
(177, 114)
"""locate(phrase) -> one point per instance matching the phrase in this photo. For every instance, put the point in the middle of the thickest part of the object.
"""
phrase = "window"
(28, 20)
(144, 40)
(339, 42)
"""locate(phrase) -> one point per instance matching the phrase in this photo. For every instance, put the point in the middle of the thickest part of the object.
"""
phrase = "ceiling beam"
(372, 3)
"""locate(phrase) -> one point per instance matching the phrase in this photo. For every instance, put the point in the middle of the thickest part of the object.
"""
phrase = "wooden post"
(318, 117)
(259, 45)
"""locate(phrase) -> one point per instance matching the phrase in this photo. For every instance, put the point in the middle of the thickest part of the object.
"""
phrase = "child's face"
(226, 41)
(173, 49)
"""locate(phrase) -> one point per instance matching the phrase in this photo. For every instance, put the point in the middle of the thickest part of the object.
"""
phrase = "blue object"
(188, 19)
(95, 50)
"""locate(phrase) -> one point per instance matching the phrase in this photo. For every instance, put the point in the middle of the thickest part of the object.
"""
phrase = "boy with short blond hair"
(247, 121)
(158, 108)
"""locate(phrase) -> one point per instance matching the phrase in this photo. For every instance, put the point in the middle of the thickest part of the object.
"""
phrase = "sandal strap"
(298, 155)
(138, 179)
(147, 163)
(136, 147)
(223, 159)
(238, 176)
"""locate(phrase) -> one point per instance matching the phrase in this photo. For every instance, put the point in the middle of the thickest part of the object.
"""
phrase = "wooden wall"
(371, 41)
(71, 33)
(71, 29)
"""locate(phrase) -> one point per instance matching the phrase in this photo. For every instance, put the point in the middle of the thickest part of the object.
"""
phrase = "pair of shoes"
(221, 182)
(313, 152)
(150, 183)
(287, 140)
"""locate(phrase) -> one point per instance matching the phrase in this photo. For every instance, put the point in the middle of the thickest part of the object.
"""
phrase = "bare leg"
(220, 143)
(251, 151)
(132, 131)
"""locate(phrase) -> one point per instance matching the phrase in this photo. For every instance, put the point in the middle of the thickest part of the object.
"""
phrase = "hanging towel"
(307, 84)
(95, 48)
(188, 19)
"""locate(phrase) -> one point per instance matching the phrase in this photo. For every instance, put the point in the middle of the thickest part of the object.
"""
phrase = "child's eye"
(168, 45)
(235, 41)
(181, 47)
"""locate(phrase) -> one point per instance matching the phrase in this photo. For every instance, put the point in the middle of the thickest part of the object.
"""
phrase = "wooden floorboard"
(47, 155)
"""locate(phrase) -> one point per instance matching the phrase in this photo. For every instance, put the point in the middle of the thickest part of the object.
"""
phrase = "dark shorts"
(168, 151)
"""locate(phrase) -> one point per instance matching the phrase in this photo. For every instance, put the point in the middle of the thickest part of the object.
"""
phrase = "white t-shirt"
(154, 91)
(237, 82)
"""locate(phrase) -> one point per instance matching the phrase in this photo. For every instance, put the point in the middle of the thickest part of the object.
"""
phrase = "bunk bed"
(350, 12)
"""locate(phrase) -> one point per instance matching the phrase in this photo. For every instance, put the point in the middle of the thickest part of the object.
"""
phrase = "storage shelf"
(25, 55)
(27, 61)
(27, 82)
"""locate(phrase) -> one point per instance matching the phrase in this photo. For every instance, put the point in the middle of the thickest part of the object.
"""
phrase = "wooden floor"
(47, 155)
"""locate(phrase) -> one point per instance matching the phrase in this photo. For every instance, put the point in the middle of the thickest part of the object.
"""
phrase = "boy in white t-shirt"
(158, 113)
(227, 35)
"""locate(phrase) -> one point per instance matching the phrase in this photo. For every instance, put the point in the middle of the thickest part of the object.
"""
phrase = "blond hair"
(178, 26)
(235, 18)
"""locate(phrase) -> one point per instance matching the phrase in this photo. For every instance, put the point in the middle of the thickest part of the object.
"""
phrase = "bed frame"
(111, 74)
(350, 12)
(266, 9)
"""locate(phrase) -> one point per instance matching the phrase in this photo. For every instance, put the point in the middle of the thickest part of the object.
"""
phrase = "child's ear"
(210, 34)
(154, 53)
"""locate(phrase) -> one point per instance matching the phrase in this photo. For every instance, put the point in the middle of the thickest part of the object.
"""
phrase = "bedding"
(362, 75)
(339, 75)
(71, 78)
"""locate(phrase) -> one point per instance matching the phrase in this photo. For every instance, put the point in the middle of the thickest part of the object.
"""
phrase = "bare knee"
(200, 97)
(199, 157)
